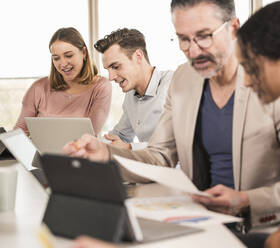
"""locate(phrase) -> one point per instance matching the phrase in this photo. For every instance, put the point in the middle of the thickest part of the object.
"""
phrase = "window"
(266, 2)
(242, 10)
(153, 19)
(26, 29)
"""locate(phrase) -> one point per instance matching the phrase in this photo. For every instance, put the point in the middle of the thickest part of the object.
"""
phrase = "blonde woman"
(73, 88)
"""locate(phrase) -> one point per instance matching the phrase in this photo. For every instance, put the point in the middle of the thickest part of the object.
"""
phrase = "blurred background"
(27, 26)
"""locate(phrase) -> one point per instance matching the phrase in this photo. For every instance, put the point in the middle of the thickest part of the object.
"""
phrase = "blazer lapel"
(239, 114)
(193, 90)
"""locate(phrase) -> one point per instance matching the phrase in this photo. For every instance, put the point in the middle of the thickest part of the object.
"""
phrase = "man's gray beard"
(211, 74)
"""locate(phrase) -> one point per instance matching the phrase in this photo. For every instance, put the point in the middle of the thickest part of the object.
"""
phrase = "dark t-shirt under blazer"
(215, 131)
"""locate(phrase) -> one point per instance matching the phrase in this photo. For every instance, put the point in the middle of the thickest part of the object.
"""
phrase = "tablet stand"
(87, 199)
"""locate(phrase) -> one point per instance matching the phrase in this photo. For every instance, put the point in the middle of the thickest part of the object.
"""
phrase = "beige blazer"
(256, 148)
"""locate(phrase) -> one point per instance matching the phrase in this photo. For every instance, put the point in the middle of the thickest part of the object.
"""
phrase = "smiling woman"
(73, 88)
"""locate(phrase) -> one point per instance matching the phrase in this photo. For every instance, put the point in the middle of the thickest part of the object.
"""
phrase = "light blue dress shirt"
(141, 114)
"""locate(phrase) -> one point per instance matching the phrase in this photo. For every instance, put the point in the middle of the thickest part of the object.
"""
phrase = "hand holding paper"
(225, 200)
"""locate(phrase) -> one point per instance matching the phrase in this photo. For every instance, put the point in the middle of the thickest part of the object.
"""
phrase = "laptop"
(93, 193)
(50, 134)
(21, 147)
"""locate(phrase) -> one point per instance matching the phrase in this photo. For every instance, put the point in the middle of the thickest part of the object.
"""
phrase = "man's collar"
(152, 86)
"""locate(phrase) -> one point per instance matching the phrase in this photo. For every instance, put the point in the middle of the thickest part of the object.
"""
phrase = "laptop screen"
(50, 134)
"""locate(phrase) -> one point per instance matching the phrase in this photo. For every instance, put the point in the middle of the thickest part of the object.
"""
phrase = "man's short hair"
(260, 34)
(128, 39)
(227, 7)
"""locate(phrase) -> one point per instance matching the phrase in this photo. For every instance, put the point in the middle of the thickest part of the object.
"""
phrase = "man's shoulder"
(162, 79)
(185, 68)
(166, 74)
(186, 77)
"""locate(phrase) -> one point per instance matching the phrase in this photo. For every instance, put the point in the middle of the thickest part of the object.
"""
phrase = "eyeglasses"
(203, 41)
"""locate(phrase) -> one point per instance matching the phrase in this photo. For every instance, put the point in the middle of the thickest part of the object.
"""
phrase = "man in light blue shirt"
(126, 59)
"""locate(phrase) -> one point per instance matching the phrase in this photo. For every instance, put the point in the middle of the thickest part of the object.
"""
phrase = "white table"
(18, 229)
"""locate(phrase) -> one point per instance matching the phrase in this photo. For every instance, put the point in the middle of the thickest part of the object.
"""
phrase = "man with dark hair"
(217, 128)
(126, 59)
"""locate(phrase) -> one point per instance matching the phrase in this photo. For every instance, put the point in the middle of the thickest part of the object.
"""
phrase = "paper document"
(178, 210)
(174, 178)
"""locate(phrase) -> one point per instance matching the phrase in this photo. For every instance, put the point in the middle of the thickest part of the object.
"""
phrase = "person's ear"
(235, 25)
(85, 53)
(139, 55)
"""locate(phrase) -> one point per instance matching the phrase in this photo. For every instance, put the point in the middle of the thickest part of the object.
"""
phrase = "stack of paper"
(180, 210)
